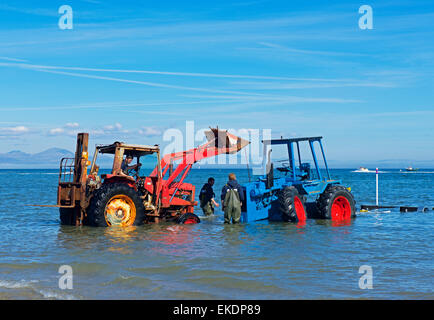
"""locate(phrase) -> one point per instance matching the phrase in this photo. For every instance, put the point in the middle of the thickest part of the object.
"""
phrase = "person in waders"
(232, 200)
(206, 197)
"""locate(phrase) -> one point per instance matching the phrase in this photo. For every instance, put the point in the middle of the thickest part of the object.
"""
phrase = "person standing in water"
(206, 197)
(232, 199)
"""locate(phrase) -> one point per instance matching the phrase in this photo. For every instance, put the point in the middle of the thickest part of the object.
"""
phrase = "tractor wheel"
(116, 204)
(291, 205)
(312, 211)
(188, 218)
(67, 216)
(336, 203)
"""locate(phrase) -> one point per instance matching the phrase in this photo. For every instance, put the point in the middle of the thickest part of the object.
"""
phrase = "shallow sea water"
(261, 260)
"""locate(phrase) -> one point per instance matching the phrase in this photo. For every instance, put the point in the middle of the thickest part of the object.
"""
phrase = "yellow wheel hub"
(120, 211)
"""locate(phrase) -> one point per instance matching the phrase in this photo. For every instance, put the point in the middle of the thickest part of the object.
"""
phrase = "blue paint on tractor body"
(261, 195)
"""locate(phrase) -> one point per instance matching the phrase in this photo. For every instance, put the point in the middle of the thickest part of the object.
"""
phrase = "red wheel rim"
(190, 221)
(341, 209)
(299, 209)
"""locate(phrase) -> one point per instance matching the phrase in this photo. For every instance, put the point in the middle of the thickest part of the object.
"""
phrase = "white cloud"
(97, 132)
(72, 125)
(19, 129)
(150, 131)
(69, 129)
(56, 131)
(72, 128)
(116, 127)
(14, 131)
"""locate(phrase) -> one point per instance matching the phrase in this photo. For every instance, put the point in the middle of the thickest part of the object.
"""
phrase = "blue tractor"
(281, 194)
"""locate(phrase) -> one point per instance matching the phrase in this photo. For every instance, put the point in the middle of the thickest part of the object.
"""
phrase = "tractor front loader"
(119, 199)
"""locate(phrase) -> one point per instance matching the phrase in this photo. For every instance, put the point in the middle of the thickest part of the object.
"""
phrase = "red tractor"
(119, 199)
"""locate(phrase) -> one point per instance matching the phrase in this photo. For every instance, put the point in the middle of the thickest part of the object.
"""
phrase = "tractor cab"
(293, 169)
(121, 151)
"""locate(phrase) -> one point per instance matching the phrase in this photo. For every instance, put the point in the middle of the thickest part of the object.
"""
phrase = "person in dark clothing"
(232, 199)
(125, 167)
(206, 197)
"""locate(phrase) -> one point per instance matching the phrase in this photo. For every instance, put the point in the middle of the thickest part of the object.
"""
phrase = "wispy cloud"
(169, 73)
(400, 114)
(14, 131)
(150, 131)
(122, 106)
(308, 85)
(72, 128)
(109, 130)
(28, 10)
(115, 128)
(233, 94)
(145, 83)
(278, 99)
(13, 59)
(72, 125)
(312, 52)
(199, 32)
(56, 131)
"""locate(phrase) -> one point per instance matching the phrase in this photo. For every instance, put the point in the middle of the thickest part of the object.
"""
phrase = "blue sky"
(131, 69)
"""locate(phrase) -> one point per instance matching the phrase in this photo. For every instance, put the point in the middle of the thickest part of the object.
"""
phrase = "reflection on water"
(341, 223)
(175, 239)
(120, 235)
(334, 224)
(301, 225)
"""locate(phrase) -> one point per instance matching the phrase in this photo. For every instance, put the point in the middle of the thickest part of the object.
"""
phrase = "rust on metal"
(164, 193)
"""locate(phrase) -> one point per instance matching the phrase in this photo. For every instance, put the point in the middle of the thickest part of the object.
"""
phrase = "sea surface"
(210, 260)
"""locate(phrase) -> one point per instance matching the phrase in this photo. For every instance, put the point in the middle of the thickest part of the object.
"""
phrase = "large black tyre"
(312, 211)
(291, 205)
(100, 209)
(188, 218)
(67, 216)
(336, 203)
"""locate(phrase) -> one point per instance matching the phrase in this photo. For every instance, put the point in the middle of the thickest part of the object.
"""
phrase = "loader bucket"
(224, 139)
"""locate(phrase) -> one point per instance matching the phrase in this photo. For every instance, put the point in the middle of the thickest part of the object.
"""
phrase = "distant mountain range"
(50, 159)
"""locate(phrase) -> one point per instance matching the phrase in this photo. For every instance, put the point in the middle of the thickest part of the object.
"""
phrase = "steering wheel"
(285, 164)
(286, 168)
(135, 171)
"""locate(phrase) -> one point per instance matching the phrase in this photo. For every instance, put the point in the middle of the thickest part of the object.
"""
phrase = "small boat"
(411, 169)
(362, 169)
